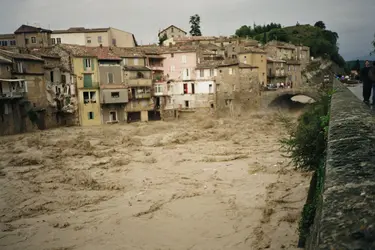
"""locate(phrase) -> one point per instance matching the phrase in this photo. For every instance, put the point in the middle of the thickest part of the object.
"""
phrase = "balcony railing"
(12, 95)
(138, 82)
(90, 85)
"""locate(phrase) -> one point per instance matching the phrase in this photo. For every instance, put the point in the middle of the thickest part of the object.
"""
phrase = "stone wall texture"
(346, 217)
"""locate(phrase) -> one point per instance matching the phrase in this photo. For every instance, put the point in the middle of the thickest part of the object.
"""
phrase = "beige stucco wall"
(258, 60)
(123, 38)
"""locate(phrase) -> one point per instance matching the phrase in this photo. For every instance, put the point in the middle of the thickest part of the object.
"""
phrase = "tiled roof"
(194, 38)
(251, 50)
(77, 50)
(80, 30)
(44, 52)
(208, 64)
(128, 52)
(234, 62)
(30, 29)
(20, 56)
(104, 53)
(137, 68)
(270, 59)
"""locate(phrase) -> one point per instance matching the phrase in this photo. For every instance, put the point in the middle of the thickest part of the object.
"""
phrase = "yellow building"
(83, 62)
(86, 70)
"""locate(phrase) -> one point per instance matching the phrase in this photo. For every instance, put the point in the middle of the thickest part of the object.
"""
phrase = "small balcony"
(113, 96)
(90, 85)
(138, 82)
(156, 67)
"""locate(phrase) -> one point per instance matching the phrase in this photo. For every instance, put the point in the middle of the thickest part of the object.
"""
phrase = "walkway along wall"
(346, 217)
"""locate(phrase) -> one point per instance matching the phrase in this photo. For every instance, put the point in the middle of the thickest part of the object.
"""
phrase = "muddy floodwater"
(190, 184)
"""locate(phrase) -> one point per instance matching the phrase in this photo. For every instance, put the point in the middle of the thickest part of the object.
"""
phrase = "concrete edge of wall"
(346, 217)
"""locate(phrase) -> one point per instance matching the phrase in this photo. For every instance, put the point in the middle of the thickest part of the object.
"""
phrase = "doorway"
(113, 116)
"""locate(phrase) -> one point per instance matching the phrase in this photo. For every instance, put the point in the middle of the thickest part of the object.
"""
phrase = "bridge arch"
(279, 98)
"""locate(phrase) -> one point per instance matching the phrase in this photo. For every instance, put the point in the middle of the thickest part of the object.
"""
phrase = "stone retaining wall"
(346, 217)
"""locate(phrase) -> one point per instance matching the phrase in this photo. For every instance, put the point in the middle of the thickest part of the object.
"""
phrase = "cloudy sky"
(354, 21)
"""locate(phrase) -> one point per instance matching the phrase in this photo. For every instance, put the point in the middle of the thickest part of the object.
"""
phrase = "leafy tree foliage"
(320, 24)
(279, 35)
(195, 28)
(162, 39)
(252, 31)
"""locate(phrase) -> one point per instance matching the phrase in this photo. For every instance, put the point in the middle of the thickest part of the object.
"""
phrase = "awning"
(12, 80)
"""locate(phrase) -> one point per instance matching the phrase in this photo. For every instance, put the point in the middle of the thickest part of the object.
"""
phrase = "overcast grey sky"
(353, 20)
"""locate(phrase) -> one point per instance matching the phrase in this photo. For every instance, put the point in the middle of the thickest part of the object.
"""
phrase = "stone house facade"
(172, 32)
(237, 88)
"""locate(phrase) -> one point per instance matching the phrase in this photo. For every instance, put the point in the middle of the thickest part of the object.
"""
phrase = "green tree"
(279, 35)
(320, 24)
(243, 31)
(373, 45)
(264, 40)
(162, 39)
(195, 28)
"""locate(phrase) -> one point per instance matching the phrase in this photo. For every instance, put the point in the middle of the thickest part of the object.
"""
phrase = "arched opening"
(291, 102)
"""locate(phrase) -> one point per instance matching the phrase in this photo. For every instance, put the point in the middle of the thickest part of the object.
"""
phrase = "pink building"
(179, 65)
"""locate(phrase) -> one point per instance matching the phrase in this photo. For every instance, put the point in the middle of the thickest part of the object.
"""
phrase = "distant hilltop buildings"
(81, 76)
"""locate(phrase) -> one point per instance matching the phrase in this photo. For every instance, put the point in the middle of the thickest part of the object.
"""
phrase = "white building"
(94, 37)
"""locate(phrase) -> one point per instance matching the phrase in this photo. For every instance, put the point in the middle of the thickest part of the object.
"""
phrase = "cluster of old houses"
(96, 76)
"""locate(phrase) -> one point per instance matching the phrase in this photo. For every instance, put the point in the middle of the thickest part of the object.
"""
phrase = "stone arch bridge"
(273, 97)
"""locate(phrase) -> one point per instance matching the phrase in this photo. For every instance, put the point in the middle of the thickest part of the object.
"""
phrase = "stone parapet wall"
(346, 217)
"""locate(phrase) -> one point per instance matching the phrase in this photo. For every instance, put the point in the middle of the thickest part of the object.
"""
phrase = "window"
(63, 78)
(187, 72)
(51, 76)
(159, 88)
(26, 41)
(185, 88)
(230, 71)
(186, 104)
(136, 61)
(53, 41)
(210, 90)
(173, 68)
(183, 58)
(4, 43)
(12, 43)
(91, 115)
(58, 40)
(140, 75)
(20, 67)
(172, 55)
(115, 94)
(201, 73)
(87, 62)
(89, 97)
(99, 39)
(172, 29)
(212, 72)
(88, 40)
(172, 35)
(114, 42)
(110, 78)
(33, 39)
(193, 88)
